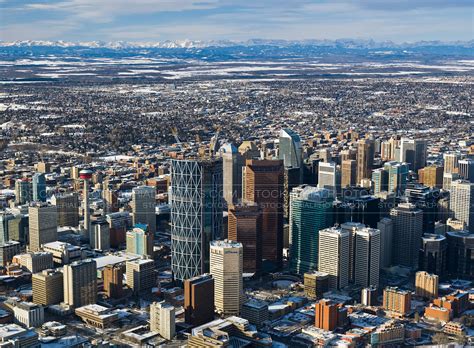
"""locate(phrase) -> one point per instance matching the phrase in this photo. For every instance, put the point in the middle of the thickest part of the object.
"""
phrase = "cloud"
(408, 5)
(112, 8)
(38, 30)
(398, 20)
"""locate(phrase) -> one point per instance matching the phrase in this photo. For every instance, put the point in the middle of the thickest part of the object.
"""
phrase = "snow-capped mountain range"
(190, 44)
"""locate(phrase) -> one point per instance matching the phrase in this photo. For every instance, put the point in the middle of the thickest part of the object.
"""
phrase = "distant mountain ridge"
(197, 44)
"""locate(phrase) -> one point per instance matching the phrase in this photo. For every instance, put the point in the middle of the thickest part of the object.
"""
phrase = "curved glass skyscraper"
(290, 150)
(310, 212)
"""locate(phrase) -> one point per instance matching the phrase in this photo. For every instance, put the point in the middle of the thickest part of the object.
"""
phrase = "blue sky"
(159, 20)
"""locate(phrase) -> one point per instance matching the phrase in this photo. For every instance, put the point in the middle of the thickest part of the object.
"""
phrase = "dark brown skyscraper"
(245, 227)
(113, 281)
(365, 159)
(263, 184)
(199, 300)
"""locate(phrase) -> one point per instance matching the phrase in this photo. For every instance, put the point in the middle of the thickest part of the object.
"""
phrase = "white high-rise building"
(226, 267)
(462, 203)
(29, 314)
(448, 179)
(140, 274)
(451, 162)
(143, 207)
(35, 261)
(85, 176)
(100, 235)
(43, 225)
(329, 176)
(162, 319)
(367, 257)
(333, 256)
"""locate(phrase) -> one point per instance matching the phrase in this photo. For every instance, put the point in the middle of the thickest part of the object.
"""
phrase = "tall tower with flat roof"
(85, 175)
(226, 269)
(196, 214)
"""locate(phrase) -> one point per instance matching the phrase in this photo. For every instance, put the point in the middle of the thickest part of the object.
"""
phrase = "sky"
(160, 20)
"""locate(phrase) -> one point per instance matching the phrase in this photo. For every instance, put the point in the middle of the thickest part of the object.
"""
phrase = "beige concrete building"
(162, 319)
(462, 202)
(28, 314)
(48, 287)
(43, 225)
(80, 283)
(226, 267)
(63, 253)
(451, 162)
(333, 256)
(426, 285)
(140, 274)
(43, 167)
(455, 225)
(348, 173)
(35, 261)
(396, 300)
(96, 316)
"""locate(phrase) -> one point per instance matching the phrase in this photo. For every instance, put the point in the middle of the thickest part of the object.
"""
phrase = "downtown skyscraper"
(196, 214)
(232, 163)
(39, 187)
(263, 184)
(226, 266)
(43, 225)
(462, 203)
(290, 150)
(366, 257)
(310, 212)
(365, 159)
(407, 232)
(413, 151)
(143, 207)
(333, 256)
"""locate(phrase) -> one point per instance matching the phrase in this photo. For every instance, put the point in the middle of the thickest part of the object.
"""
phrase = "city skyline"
(296, 190)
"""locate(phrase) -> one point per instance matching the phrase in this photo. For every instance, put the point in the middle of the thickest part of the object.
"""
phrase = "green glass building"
(310, 212)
